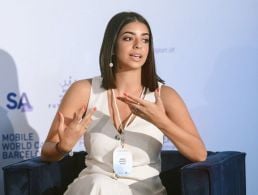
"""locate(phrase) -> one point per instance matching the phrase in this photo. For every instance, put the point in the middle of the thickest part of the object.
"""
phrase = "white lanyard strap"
(119, 117)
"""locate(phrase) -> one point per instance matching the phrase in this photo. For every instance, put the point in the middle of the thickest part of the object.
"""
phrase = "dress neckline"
(108, 112)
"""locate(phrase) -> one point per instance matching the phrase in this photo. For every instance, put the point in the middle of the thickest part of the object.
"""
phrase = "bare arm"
(68, 125)
(178, 126)
(170, 115)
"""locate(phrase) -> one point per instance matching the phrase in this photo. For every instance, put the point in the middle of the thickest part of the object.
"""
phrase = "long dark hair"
(149, 76)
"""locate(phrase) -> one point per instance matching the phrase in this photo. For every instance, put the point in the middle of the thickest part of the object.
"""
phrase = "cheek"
(120, 55)
(122, 50)
(146, 50)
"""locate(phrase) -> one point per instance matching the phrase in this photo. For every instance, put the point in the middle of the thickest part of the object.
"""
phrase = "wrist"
(164, 124)
(60, 150)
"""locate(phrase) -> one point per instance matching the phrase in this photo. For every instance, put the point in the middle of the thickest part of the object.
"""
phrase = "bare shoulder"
(176, 109)
(78, 90)
(171, 99)
(76, 96)
(168, 93)
(81, 86)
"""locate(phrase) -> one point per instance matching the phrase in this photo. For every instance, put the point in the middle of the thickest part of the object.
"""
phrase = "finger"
(134, 110)
(134, 107)
(81, 112)
(87, 119)
(126, 100)
(78, 115)
(157, 96)
(61, 123)
(136, 100)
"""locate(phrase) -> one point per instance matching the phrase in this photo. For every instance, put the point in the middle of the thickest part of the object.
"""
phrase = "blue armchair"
(223, 173)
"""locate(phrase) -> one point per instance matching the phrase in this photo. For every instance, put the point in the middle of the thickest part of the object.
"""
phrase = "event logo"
(164, 50)
(21, 103)
(19, 145)
(63, 88)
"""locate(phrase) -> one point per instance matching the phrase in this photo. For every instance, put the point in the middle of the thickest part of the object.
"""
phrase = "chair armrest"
(34, 176)
(172, 159)
(223, 173)
(171, 163)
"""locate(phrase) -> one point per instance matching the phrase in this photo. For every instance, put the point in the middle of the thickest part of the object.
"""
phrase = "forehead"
(135, 27)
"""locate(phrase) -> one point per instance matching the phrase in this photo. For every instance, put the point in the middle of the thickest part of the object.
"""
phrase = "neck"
(129, 82)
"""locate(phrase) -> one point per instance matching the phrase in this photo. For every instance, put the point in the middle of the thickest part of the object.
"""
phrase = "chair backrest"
(33, 176)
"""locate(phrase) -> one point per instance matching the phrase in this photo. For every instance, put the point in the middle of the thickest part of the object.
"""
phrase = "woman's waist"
(139, 171)
(107, 161)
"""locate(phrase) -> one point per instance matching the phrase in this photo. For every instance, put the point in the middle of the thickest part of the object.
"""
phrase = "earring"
(111, 64)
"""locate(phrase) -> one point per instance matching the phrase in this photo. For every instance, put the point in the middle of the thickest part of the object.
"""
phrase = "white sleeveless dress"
(143, 139)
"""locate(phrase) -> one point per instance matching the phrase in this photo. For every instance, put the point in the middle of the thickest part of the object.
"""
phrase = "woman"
(127, 112)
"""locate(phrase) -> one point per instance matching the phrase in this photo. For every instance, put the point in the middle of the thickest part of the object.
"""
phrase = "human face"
(132, 46)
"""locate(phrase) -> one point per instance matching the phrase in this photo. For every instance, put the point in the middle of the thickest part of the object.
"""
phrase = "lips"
(136, 56)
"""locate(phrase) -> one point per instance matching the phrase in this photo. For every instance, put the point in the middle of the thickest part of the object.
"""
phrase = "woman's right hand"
(70, 134)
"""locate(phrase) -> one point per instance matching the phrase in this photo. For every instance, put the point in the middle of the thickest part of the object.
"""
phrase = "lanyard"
(122, 137)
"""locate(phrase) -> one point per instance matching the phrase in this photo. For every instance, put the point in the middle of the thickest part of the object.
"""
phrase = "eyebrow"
(132, 33)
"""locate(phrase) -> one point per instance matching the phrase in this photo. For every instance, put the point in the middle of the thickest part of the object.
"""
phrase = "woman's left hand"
(153, 112)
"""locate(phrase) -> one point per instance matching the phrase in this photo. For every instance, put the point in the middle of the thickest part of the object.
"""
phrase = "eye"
(127, 38)
(146, 40)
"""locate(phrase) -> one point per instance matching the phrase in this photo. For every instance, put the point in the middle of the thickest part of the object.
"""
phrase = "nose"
(137, 44)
